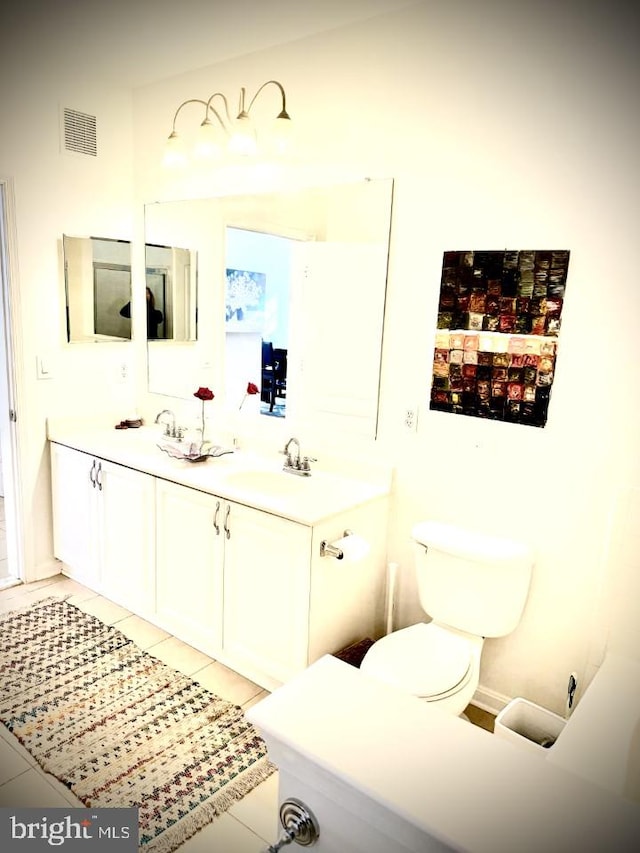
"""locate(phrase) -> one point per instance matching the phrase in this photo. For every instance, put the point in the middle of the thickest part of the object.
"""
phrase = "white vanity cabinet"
(104, 526)
(75, 521)
(266, 594)
(233, 581)
(189, 559)
(226, 558)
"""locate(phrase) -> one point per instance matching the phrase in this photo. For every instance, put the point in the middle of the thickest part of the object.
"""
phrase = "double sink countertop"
(243, 476)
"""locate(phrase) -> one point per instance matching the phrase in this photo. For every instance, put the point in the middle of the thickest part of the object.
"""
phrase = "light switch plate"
(43, 367)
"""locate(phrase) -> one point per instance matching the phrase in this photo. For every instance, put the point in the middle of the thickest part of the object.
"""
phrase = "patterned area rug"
(121, 728)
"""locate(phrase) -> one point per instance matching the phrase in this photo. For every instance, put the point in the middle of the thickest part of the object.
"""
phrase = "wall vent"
(79, 132)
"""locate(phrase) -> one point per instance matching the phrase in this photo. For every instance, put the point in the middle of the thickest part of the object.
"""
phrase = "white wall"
(505, 125)
(58, 193)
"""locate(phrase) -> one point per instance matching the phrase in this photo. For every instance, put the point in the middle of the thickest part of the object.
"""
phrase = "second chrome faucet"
(296, 464)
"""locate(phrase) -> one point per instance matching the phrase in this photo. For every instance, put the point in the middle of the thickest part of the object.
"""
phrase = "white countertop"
(307, 500)
(415, 771)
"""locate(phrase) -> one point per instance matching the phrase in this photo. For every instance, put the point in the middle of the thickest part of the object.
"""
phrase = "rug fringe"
(215, 806)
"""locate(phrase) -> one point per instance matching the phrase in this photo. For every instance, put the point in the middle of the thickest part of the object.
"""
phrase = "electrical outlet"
(123, 371)
(410, 419)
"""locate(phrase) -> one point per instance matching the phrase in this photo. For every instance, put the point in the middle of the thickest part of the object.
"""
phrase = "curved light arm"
(183, 104)
(283, 112)
(207, 108)
(216, 113)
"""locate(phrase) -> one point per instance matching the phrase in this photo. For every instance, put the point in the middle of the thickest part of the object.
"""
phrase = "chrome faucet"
(169, 429)
(300, 465)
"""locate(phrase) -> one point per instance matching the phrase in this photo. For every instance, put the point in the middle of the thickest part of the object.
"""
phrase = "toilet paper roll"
(353, 547)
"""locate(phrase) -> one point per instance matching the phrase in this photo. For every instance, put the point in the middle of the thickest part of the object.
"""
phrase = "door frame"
(12, 374)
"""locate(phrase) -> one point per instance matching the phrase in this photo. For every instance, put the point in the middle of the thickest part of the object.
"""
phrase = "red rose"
(204, 394)
(252, 389)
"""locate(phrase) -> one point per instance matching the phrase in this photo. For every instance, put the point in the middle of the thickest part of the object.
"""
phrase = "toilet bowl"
(473, 586)
(453, 671)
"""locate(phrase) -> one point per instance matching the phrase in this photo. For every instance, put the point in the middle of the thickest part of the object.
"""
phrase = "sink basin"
(271, 482)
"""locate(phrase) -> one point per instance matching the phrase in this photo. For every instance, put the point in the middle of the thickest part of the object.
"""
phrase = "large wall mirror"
(97, 279)
(291, 297)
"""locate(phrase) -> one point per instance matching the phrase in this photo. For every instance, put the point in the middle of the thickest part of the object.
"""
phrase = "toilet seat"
(424, 659)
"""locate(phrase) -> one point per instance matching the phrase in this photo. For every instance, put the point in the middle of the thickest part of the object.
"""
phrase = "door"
(11, 527)
(127, 536)
(189, 553)
(266, 592)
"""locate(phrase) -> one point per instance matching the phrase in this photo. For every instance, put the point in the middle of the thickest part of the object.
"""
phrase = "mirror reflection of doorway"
(157, 284)
(111, 290)
(260, 353)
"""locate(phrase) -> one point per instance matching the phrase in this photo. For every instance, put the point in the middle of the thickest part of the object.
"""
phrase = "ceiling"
(135, 42)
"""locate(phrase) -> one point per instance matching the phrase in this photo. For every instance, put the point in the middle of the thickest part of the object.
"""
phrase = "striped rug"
(120, 728)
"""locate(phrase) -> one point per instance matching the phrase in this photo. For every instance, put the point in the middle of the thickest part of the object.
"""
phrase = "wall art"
(499, 316)
(245, 301)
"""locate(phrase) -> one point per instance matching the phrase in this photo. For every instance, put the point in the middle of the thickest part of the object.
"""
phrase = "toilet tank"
(469, 580)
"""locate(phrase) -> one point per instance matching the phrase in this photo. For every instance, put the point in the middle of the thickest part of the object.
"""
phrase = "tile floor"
(246, 826)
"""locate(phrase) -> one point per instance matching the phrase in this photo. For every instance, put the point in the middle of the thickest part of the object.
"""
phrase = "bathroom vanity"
(224, 554)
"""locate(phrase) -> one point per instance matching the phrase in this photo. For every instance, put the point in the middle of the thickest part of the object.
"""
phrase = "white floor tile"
(179, 655)
(258, 810)
(14, 743)
(106, 611)
(225, 834)
(226, 683)
(262, 695)
(32, 789)
(12, 764)
(143, 633)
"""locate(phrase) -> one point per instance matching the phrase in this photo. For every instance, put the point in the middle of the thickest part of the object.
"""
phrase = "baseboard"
(489, 700)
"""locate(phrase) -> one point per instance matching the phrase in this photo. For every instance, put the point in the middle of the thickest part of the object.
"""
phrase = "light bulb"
(175, 156)
(281, 135)
(243, 138)
(207, 143)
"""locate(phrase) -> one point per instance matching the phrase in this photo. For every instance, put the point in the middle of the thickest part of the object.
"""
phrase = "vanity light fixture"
(219, 132)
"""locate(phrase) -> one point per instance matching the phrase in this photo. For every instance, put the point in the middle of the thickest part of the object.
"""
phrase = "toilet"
(472, 586)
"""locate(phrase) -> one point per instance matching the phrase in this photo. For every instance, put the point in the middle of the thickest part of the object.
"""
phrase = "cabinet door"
(266, 592)
(189, 553)
(74, 501)
(127, 535)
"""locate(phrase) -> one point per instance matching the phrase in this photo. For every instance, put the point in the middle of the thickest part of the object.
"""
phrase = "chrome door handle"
(99, 476)
(215, 518)
(226, 522)
(91, 473)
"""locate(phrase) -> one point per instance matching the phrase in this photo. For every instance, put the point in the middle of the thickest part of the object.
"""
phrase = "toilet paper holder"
(327, 549)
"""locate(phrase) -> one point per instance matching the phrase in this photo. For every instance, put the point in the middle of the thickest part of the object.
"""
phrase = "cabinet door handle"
(92, 474)
(99, 476)
(226, 522)
(215, 518)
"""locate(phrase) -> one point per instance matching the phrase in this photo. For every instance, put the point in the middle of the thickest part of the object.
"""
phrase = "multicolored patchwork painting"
(496, 342)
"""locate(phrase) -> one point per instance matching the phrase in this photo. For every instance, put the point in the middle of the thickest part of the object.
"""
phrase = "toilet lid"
(424, 659)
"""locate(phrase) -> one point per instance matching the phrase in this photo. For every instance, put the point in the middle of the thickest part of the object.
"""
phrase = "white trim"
(10, 295)
(490, 701)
